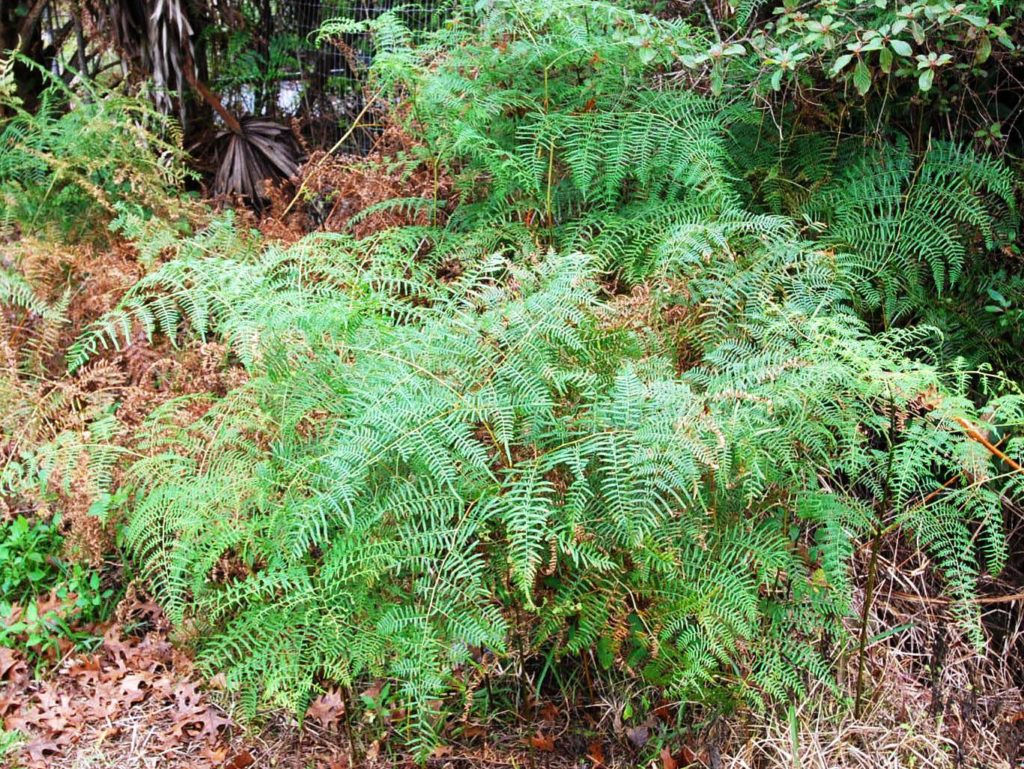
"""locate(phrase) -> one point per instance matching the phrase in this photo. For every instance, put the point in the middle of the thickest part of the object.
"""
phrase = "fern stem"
(332, 150)
(433, 210)
(876, 544)
(869, 594)
(551, 173)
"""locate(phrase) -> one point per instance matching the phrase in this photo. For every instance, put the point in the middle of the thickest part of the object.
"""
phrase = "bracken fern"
(425, 473)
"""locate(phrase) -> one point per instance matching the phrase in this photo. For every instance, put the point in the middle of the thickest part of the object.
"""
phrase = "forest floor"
(136, 702)
(133, 699)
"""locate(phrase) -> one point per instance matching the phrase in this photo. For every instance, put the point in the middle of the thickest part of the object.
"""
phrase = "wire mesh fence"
(271, 64)
(261, 57)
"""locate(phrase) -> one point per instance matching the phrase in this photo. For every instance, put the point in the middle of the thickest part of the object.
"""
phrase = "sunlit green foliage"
(33, 568)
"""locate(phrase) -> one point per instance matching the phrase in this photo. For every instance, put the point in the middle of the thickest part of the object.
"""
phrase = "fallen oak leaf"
(86, 670)
(54, 705)
(186, 697)
(203, 722)
(218, 682)
(215, 756)
(102, 705)
(543, 742)
(240, 761)
(52, 606)
(147, 611)
(11, 665)
(638, 735)
(135, 688)
(667, 759)
(162, 687)
(371, 693)
(211, 722)
(115, 651)
(181, 663)
(664, 711)
(9, 703)
(24, 719)
(40, 751)
(57, 722)
(327, 709)
(152, 654)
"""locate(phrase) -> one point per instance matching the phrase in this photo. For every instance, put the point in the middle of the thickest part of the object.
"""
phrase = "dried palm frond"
(157, 35)
(262, 149)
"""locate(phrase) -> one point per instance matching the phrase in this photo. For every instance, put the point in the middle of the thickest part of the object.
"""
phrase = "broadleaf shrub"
(45, 595)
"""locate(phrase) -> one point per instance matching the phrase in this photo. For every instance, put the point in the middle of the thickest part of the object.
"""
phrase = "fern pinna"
(424, 473)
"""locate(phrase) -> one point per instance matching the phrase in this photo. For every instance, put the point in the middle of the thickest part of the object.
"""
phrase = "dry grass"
(930, 700)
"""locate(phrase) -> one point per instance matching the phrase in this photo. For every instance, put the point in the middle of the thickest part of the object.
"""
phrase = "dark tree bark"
(21, 31)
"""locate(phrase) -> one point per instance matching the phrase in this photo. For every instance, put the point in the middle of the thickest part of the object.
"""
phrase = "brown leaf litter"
(332, 193)
(132, 702)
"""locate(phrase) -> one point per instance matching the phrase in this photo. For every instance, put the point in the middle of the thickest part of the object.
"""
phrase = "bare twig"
(712, 21)
(976, 435)
(332, 150)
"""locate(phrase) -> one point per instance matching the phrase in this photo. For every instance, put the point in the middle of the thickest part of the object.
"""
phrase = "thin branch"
(210, 97)
(975, 435)
(332, 150)
(986, 600)
(29, 23)
(712, 21)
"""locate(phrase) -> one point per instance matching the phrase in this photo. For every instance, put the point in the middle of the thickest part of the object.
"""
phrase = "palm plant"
(157, 38)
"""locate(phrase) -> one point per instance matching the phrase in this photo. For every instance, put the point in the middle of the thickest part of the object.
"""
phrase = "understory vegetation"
(695, 318)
